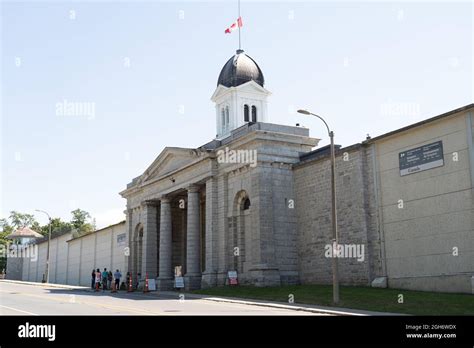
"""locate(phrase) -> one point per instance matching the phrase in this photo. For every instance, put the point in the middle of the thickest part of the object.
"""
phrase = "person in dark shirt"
(117, 276)
(109, 279)
(128, 280)
(105, 275)
(93, 279)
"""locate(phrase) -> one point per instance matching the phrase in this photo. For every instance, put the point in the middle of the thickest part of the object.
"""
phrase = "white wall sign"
(178, 282)
(232, 275)
(151, 284)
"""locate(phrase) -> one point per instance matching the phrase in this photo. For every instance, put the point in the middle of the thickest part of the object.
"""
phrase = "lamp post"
(335, 237)
(49, 242)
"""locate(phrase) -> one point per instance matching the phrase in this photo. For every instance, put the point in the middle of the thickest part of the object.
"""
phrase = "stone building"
(257, 200)
(268, 217)
(224, 205)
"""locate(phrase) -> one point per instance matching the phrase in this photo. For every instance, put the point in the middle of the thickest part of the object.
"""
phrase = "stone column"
(165, 274)
(223, 243)
(150, 239)
(264, 267)
(127, 252)
(209, 277)
(192, 279)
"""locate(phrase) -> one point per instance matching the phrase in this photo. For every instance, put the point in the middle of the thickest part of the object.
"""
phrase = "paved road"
(22, 299)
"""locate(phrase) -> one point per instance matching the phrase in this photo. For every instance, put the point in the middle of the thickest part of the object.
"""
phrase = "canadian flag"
(235, 25)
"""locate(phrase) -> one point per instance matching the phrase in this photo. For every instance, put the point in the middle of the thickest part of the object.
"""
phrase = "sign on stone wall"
(178, 277)
(152, 284)
(232, 275)
(121, 239)
(421, 158)
(178, 282)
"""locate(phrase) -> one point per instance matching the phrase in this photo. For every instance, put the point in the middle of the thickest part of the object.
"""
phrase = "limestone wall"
(278, 220)
(232, 186)
(313, 212)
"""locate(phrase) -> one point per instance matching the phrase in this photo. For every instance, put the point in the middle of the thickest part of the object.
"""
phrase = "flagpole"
(240, 46)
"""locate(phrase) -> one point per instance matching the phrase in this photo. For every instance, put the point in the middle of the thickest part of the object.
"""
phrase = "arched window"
(246, 204)
(227, 115)
(223, 117)
(246, 113)
(240, 230)
(254, 113)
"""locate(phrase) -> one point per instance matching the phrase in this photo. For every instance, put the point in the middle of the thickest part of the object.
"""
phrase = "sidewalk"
(250, 302)
(49, 285)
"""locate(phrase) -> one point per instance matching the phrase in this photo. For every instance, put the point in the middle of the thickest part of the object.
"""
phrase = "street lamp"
(49, 242)
(335, 238)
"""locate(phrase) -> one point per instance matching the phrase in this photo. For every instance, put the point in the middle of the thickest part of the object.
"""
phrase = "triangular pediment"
(252, 87)
(220, 90)
(168, 161)
(248, 87)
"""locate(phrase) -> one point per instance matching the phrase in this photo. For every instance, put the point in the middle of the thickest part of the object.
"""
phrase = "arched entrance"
(241, 230)
(137, 250)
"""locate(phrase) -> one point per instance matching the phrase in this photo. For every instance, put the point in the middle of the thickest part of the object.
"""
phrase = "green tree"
(57, 226)
(18, 220)
(6, 229)
(80, 222)
(37, 227)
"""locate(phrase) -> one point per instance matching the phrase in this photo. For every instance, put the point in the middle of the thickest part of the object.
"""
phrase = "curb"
(313, 309)
(46, 285)
(282, 305)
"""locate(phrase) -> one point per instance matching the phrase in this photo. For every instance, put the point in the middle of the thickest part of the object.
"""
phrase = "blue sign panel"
(421, 158)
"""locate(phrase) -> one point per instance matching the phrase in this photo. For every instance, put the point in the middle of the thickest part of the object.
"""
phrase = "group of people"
(103, 280)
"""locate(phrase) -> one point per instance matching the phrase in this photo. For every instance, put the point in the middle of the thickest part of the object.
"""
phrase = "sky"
(144, 72)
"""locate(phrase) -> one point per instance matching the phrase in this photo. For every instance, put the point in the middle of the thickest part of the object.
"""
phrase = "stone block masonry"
(313, 212)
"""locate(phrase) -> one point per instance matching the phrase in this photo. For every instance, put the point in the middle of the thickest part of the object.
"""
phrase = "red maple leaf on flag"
(235, 25)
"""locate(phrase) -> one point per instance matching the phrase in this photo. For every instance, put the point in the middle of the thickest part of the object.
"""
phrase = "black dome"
(240, 69)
